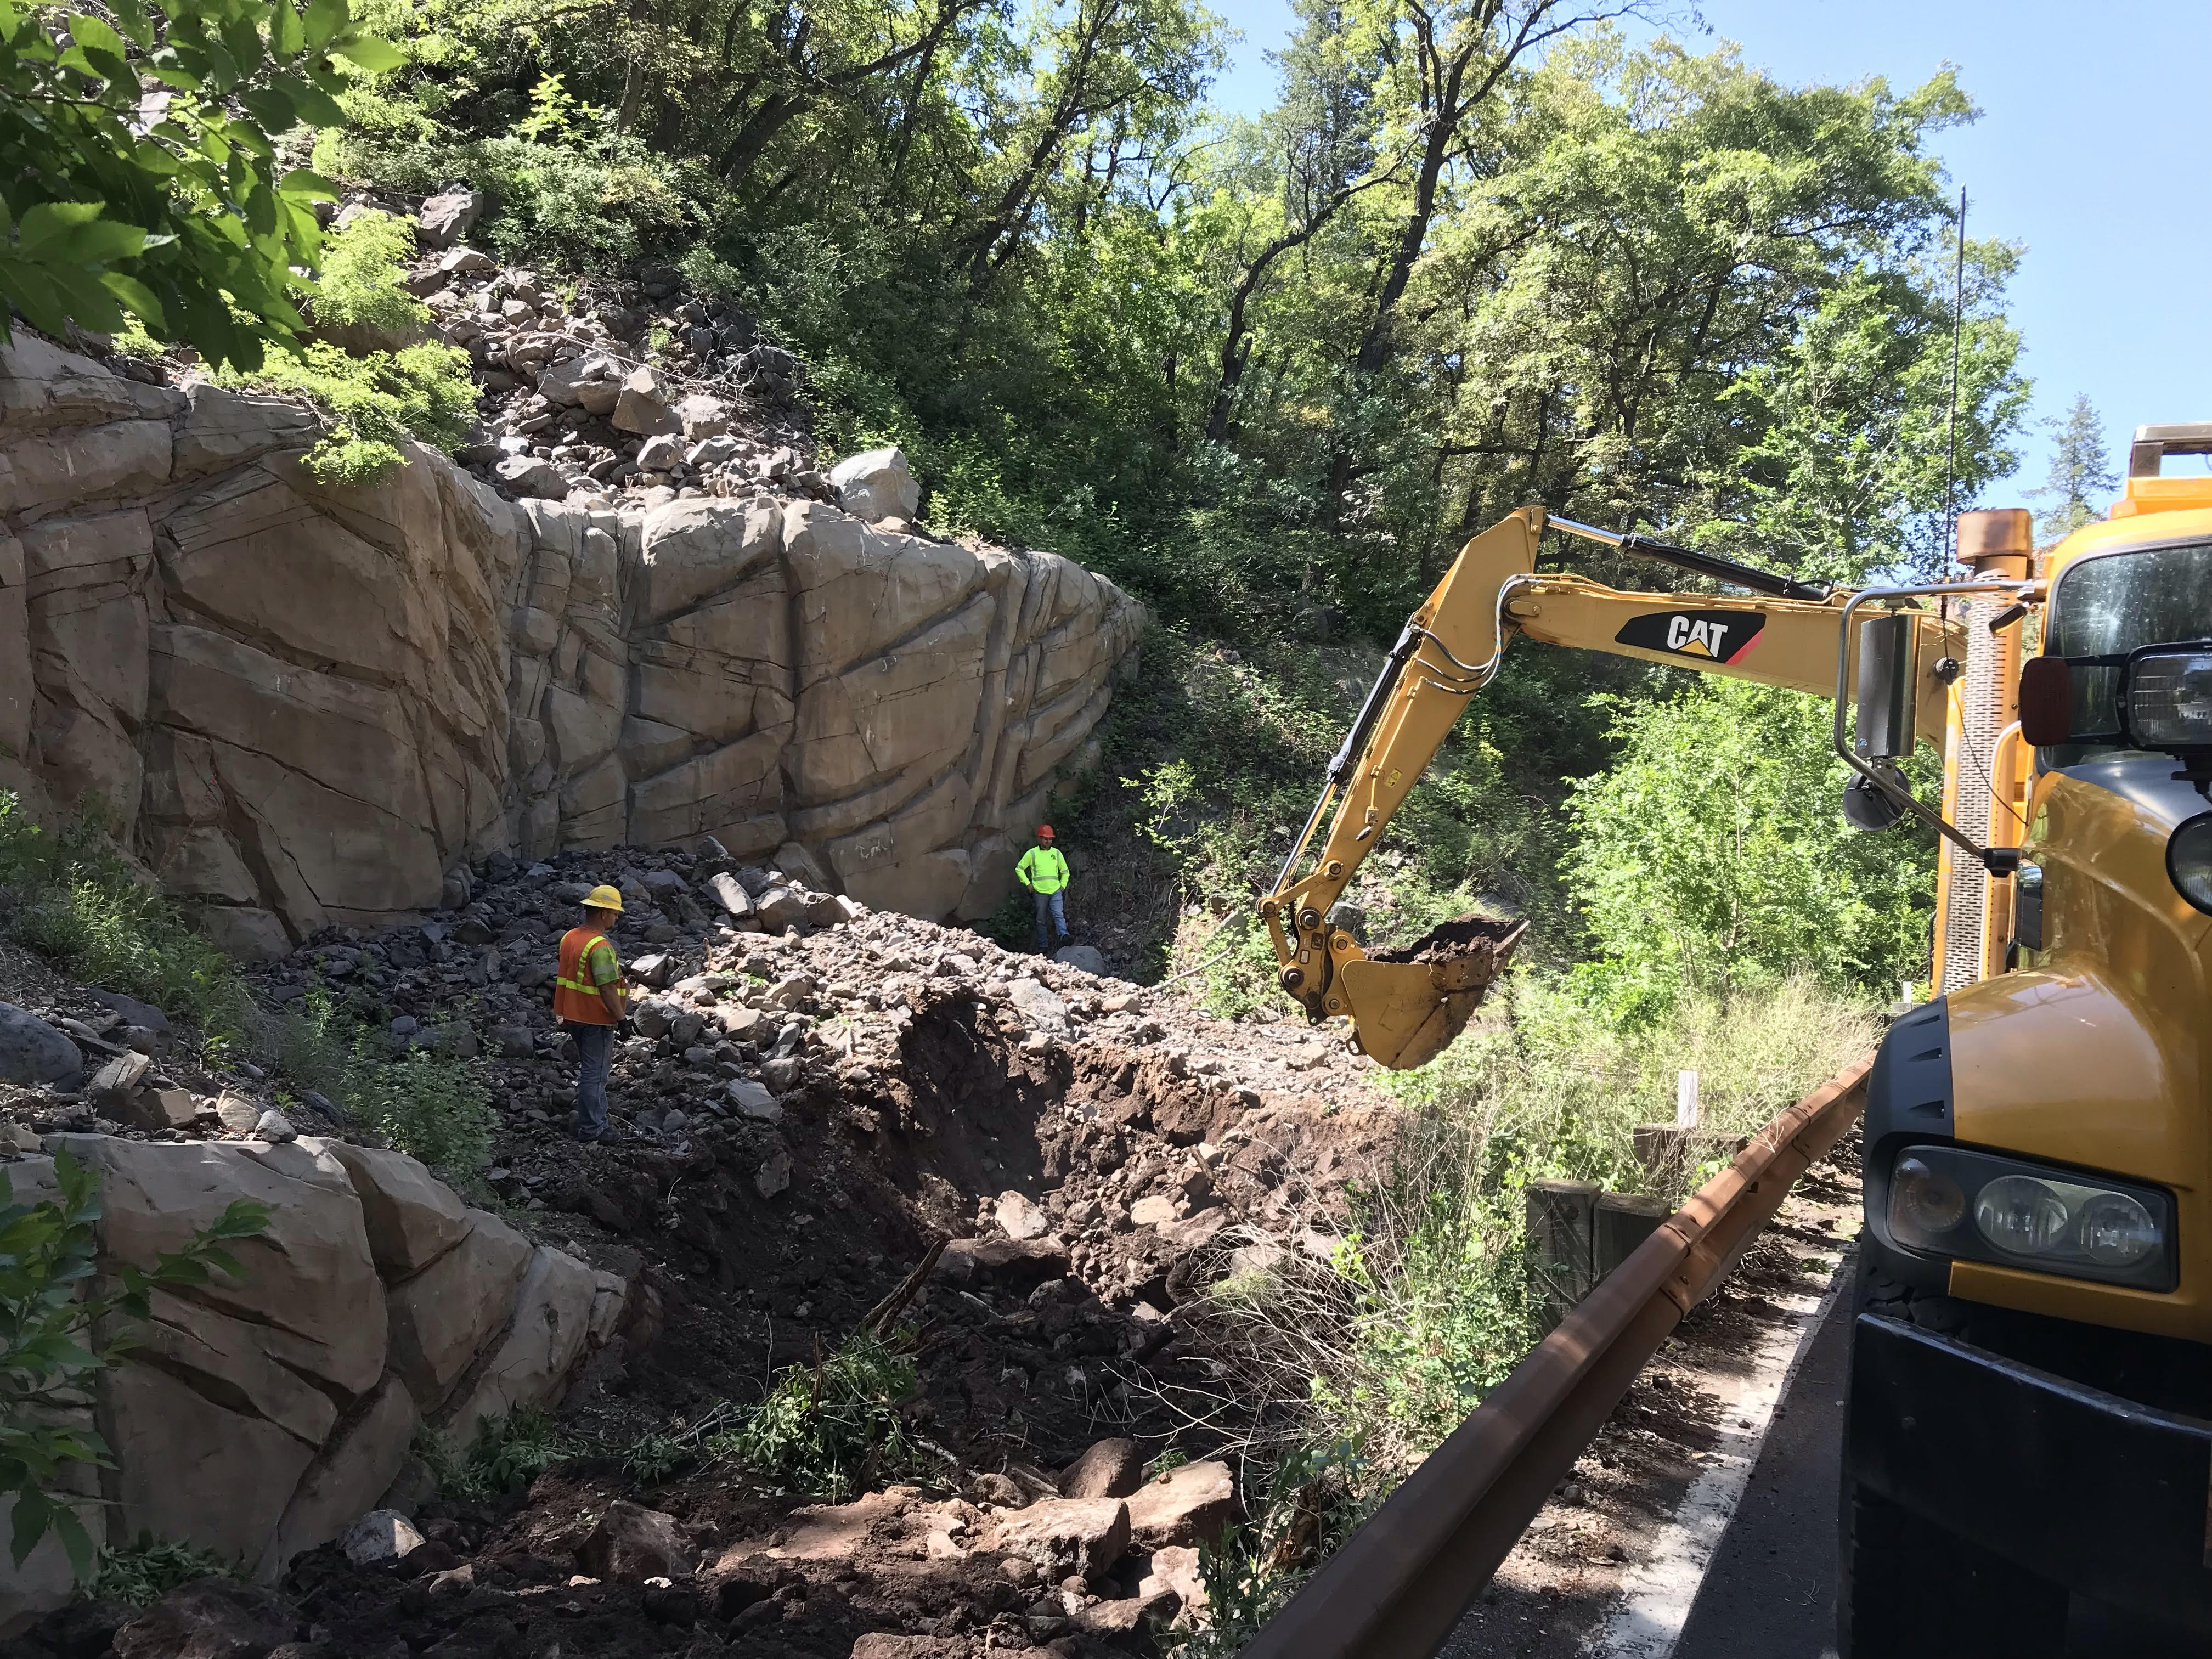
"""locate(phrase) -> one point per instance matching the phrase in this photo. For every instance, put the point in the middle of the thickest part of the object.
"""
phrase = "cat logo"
(1715, 636)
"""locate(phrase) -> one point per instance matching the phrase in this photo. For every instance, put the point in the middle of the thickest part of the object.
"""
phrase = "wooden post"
(1623, 1221)
(1561, 1259)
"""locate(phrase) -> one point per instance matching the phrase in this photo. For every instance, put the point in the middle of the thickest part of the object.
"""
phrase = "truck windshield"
(2109, 605)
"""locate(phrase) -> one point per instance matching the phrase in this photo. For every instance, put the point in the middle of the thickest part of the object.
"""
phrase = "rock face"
(257, 1418)
(306, 706)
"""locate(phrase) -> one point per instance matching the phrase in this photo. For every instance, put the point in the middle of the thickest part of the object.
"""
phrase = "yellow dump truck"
(2030, 1412)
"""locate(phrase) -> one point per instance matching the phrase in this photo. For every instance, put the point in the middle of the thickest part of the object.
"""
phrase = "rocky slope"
(815, 1095)
(304, 706)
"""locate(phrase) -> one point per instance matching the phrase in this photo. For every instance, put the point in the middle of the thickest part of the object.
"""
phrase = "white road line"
(1660, 1589)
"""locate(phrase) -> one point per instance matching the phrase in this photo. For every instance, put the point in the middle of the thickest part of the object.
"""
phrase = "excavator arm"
(1405, 1005)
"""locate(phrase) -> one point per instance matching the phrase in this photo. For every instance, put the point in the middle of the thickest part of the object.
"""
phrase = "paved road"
(1771, 1591)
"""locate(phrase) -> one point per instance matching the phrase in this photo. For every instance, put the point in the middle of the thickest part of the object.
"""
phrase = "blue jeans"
(595, 1053)
(1051, 906)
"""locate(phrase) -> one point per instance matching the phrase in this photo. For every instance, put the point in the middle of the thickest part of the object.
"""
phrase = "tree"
(174, 205)
(1715, 854)
(2079, 471)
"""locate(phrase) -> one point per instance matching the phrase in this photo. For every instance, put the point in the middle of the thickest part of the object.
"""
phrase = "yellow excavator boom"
(1405, 1005)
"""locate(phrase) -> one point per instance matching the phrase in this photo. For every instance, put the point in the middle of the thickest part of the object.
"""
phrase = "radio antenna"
(1951, 442)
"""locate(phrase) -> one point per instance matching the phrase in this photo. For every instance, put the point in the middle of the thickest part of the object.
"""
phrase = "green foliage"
(359, 283)
(74, 900)
(1307, 1506)
(1715, 853)
(431, 1106)
(50, 1310)
(376, 404)
(831, 1428)
(1423, 1309)
(141, 1574)
(185, 214)
(508, 1453)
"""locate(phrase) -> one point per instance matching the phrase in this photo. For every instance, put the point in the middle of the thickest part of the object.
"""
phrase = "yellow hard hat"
(603, 897)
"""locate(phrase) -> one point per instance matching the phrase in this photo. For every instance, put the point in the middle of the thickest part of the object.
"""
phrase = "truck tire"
(1906, 1587)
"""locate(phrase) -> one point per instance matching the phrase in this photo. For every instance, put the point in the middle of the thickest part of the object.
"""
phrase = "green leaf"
(133, 16)
(325, 18)
(33, 1515)
(41, 225)
(273, 105)
(310, 186)
(311, 102)
(287, 33)
(97, 243)
(75, 1540)
(243, 40)
(370, 51)
(137, 297)
(93, 35)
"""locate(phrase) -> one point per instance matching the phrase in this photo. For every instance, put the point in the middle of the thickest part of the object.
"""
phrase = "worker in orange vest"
(588, 999)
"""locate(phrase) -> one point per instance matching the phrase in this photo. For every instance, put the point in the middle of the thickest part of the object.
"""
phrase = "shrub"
(48, 1251)
(142, 1573)
(432, 1107)
(829, 1429)
(360, 283)
(1423, 1309)
(375, 404)
(508, 1453)
(76, 900)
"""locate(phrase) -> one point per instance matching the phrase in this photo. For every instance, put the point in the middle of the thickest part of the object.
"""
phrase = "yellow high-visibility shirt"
(1042, 870)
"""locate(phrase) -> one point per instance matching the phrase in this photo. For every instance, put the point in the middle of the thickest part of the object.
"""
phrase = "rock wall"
(256, 1416)
(306, 706)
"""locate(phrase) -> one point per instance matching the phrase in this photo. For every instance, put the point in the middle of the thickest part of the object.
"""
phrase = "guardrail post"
(1623, 1221)
(1562, 1249)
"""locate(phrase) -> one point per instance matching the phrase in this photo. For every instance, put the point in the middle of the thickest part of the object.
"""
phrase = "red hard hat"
(1044, 832)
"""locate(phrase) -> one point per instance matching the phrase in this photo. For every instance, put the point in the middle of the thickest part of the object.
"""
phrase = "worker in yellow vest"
(1043, 871)
(589, 999)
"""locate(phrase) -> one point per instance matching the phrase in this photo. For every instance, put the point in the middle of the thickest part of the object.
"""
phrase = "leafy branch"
(49, 1254)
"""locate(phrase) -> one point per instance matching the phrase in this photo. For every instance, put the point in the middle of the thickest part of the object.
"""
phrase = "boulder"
(659, 454)
(1174, 1569)
(773, 1175)
(1084, 957)
(1187, 1504)
(633, 1543)
(446, 218)
(754, 1101)
(33, 1052)
(703, 416)
(526, 475)
(569, 383)
(781, 907)
(640, 407)
(412, 1218)
(1038, 1005)
(1016, 1263)
(444, 1316)
(1021, 1219)
(731, 894)
(876, 484)
(379, 1536)
(1066, 1536)
(1128, 1615)
(1111, 1468)
(547, 1336)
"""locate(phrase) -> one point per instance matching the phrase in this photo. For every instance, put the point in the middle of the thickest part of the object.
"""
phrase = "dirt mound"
(1462, 936)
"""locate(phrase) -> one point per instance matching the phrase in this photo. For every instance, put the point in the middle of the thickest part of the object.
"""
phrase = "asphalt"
(1770, 1592)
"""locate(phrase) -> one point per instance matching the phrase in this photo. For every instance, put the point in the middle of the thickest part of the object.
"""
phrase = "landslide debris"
(814, 1096)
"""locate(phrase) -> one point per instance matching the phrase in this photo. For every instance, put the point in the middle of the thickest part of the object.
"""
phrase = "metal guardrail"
(1401, 1583)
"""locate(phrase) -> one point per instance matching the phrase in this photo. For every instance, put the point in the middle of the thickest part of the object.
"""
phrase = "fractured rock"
(633, 1543)
(209, 1619)
(876, 484)
(1111, 1468)
(1068, 1536)
(1186, 1505)
(1021, 1219)
(448, 216)
(380, 1535)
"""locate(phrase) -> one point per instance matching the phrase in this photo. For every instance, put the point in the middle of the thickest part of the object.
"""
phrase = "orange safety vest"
(575, 997)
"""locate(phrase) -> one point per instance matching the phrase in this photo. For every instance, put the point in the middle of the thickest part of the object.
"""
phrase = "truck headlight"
(2169, 698)
(1950, 1201)
(2188, 861)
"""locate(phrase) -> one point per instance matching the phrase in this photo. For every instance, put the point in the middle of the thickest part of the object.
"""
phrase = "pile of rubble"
(598, 388)
(810, 1098)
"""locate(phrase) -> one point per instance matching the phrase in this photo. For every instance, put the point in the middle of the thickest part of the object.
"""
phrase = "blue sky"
(2089, 153)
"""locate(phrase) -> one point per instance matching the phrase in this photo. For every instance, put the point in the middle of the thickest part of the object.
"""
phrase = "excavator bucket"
(1407, 1004)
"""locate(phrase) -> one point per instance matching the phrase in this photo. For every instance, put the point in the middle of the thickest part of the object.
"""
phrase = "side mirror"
(2046, 702)
(1888, 683)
